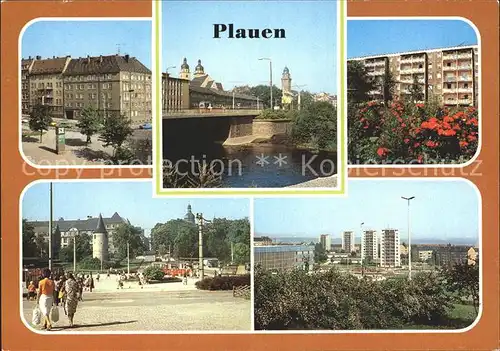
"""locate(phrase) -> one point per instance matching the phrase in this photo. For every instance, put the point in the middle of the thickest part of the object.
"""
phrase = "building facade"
(348, 241)
(189, 217)
(26, 66)
(284, 257)
(326, 242)
(452, 254)
(175, 93)
(70, 228)
(390, 255)
(110, 84)
(450, 75)
(46, 83)
(100, 241)
(369, 245)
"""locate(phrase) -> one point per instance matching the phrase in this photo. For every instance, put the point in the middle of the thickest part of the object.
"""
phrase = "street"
(149, 310)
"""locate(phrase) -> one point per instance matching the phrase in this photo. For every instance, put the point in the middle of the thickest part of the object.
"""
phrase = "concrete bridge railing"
(197, 113)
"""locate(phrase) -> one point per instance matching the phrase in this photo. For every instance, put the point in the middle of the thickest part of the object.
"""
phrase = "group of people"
(64, 290)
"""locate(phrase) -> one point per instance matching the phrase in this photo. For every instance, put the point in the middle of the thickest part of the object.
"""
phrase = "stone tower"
(189, 217)
(286, 81)
(185, 73)
(100, 241)
(199, 70)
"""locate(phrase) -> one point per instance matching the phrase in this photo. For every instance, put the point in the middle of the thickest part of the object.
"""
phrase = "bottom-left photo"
(105, 256)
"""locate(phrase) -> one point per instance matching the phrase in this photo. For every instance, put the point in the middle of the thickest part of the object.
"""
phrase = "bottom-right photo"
(393, 254)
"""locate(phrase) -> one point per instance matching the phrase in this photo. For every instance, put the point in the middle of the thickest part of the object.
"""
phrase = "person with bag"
(71, 290)
(45, 298)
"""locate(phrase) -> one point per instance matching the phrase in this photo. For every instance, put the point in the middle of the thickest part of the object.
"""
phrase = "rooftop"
(413, 52)
(105, 64)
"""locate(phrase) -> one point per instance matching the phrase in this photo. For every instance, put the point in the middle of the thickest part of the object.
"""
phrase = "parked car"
(146, 126)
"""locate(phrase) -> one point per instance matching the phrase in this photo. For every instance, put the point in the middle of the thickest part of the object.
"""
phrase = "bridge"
(205, 113)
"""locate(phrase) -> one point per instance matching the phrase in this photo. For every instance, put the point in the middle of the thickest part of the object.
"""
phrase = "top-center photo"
(249, 95)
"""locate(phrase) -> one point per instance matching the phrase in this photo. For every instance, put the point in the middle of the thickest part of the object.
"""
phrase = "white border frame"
(19, 81)
(480, 81)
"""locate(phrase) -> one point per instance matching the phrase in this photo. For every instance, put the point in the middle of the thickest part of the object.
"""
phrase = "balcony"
(413, 59)
(449, 91)
(464, 67)
(451, 102)
(450, 68)
(465, 79)
(465, 90)
(465, 101)
(412, 70)
(450, 79)
(376, 73)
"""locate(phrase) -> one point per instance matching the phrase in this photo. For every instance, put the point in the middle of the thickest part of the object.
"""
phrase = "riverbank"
(322, 182)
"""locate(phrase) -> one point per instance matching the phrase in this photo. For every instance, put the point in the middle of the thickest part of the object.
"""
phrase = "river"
(256, 165)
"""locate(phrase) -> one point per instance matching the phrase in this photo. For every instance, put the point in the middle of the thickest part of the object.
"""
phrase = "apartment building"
(390, 255)
(284, 257)
(450, 75)
(348, 241)
(46, 83)
(175, 93)
(26, 66)
(111, 84)
(326, 242)
(369, 246)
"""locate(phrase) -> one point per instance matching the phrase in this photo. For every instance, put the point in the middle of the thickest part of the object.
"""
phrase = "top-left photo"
(85, 92)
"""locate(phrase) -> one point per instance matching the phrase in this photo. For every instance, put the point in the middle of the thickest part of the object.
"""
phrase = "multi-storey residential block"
(110, 84)
(46, 83)
(26, 66)
(175, 93)
(369, 246)
(450, 75)
(348, 241)
(326, 242)
(389, 248)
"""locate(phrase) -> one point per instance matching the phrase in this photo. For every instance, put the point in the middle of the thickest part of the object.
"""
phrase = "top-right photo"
(413, 89)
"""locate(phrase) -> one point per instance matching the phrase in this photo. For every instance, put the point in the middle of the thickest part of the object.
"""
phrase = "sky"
(309, 50)
(440, 210)
(132, 200)
(94, 38)
(376, 37)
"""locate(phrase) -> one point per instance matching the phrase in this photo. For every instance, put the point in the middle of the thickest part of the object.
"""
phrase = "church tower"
(189, 217)
(185, 73)
(199, 70)
(286, 81)
(100, 241)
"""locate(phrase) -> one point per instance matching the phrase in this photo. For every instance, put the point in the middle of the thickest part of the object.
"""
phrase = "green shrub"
(223, 283)
(153, 273)
(91, 263)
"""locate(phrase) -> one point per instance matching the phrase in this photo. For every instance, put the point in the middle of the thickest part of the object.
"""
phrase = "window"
(448, 64)
(466, 97)
(420, 66)
(438, 75)
(466, 85)
(448, 86)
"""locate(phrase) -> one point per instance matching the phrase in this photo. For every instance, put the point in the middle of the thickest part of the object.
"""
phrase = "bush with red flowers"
(412, 133)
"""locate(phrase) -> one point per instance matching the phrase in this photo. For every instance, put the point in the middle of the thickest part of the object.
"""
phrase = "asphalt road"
(155, 311)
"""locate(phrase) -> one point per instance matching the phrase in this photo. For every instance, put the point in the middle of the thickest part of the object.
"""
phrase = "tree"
(128, 235)
(28, 236)
(463, 279)
(83, 248)
(353, 254)
(317, 125)
(319, 254)
(306, 99)
(40, 119)
(359, 84)
(388, 86)
(42, 245)
(263, 92)
(89, 122)
(116, 130)
(153, 273)
(416, 91)
(241, 253)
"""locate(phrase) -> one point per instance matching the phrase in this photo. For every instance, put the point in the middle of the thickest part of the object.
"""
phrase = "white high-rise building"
(390, 248)
(369, 245)
(348, 241)
(326, 242)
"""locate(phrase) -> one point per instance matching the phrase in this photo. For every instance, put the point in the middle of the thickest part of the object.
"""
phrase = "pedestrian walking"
(45, 298)
(71, 289)
(97, 278)
(185, 279)
(31, 291)
(91, 282)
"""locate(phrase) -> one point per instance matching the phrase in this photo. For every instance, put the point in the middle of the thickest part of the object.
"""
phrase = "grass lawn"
(459, 317)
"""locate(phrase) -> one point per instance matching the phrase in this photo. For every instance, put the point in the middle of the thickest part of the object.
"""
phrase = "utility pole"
(232, 252)
(128, 258)
(300, 91)
(50, 226)
(199, 217)
(361, 260)
(408, 199)
(74, 253)
(233, 98)
(270, 78)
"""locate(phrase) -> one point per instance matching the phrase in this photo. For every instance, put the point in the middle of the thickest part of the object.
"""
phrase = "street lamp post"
(299, 87)
(408, 199)
(270, 77)
(201, 220)
(50, 225)
(128, 258)
(74, 253)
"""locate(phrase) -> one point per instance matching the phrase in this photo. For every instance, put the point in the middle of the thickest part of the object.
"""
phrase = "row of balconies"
(459, 90)
(458, 101)
(459, 79)
(457, 68)
(411, 70)
(413, 59)
(380, 63)
(457, 56)
(376, 73)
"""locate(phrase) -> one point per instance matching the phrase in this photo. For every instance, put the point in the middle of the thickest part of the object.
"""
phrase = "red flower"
(382, 151)
(431, 144)
(448, 119)
(406, 140)
(420, 105)
(416, 145)
(403, 125)
(449, 132)
(471, 138)
(420, 158)
(463, 144)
